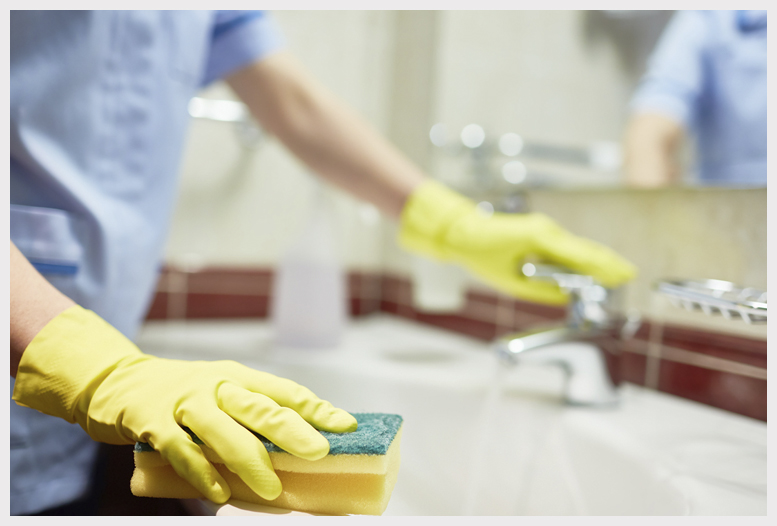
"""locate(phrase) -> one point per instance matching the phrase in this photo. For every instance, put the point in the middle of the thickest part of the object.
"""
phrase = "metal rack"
(715, 297)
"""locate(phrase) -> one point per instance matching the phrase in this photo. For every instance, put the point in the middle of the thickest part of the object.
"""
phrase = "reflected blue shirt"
(708, 72)
(98, 117)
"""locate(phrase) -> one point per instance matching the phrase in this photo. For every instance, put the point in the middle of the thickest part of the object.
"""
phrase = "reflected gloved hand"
(440, 223)
(83, 370)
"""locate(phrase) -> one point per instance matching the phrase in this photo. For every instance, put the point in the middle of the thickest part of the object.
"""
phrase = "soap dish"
(715, 297)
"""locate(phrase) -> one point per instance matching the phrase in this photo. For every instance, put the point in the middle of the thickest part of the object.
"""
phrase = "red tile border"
(729, 347)
(199, 306)
(483, 297)
(633, 367)
(726, 346)
(720, 372)
(221, 280)
(679, 336)
(158, 308)
(389, 307)
(732, 392)
(241, 282)
(543, 311)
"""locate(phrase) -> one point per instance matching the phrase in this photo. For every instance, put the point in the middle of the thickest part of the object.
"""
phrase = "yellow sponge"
(357, 477)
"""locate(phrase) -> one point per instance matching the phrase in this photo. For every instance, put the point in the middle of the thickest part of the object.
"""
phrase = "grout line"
(405, 301)
(262, 290)
(479, 311)
(369, 293)
(354, 285)
(713, 362)
(177, 295)
(675, 354)
(653, 362)
(505, 314)
(224, 292)
(391, 293)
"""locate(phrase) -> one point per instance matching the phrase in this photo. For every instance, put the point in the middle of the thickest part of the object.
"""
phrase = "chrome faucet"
(580, 344)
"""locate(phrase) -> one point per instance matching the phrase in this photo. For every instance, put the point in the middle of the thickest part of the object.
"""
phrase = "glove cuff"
(427, 217)
(66, 361)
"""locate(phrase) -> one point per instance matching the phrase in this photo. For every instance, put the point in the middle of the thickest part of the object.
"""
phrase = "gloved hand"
(78, 367)
(440, 223)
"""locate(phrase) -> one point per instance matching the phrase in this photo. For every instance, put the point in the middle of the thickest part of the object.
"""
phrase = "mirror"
(512, 100)
(494, 103)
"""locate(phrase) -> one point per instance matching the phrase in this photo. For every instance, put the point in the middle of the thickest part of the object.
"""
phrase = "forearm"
(651, 146)
(325, 134)
(34, 303)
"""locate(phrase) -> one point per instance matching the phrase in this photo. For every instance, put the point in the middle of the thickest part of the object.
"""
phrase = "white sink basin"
(474, 445)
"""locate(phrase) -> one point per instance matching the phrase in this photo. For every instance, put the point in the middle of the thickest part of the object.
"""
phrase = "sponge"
(356, 477)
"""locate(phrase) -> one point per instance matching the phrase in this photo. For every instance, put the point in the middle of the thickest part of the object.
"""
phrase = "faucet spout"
(511, 346)
(573, 344)
(588, 379)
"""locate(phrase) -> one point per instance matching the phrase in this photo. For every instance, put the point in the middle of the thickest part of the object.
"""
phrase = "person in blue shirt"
(98, 114)
(706, 79)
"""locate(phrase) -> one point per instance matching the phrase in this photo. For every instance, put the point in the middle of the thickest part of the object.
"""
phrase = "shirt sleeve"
(239, 38)
(674, 81)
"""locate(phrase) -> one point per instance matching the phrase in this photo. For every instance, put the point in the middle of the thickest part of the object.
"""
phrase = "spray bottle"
(309, 299)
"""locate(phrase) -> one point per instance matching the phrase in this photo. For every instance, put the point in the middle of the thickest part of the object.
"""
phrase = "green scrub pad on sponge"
(356, 477)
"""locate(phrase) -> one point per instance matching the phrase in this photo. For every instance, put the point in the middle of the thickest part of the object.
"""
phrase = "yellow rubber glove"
(446, 226)
(82, 369)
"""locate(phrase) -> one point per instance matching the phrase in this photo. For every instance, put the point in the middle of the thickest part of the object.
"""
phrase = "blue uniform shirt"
(708, 72)
(98, 119)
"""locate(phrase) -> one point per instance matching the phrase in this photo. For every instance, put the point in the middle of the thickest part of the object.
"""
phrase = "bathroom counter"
(488, 440)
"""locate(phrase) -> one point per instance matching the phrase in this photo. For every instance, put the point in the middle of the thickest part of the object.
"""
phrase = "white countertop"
(685, 456)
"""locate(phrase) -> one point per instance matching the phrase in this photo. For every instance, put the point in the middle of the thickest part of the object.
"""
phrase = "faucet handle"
(564, 277)
(589, 299)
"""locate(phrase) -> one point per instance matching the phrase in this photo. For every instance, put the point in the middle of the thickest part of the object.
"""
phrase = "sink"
(475, 445)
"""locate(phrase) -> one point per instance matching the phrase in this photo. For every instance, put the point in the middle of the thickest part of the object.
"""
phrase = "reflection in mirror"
(597, 99)
(706, 81)
(510, 144)
(526, 163)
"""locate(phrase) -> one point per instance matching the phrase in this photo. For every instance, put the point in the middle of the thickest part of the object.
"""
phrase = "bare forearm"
(34, 303)
(651, 147)
(325, 134)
